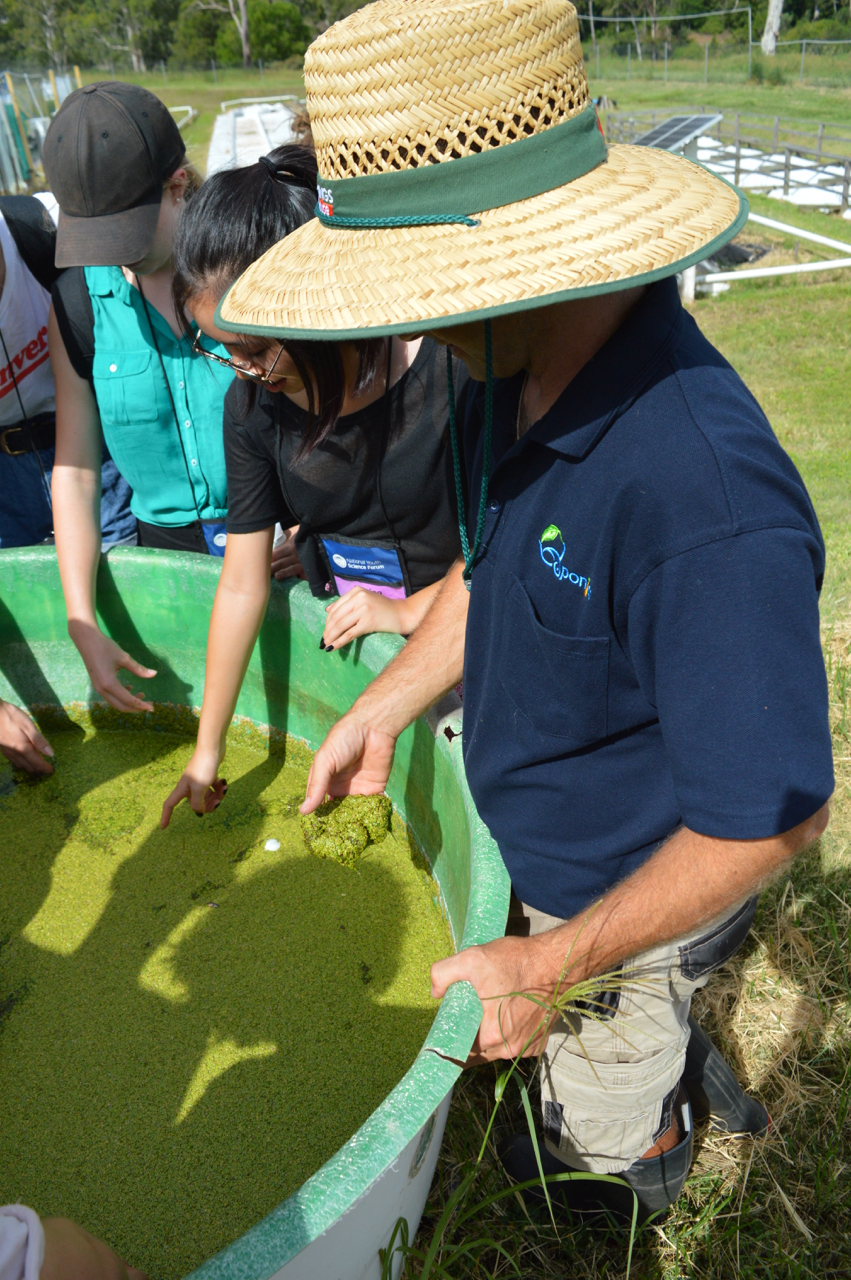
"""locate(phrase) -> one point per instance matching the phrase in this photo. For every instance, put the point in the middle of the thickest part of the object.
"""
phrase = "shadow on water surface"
(201, 1022)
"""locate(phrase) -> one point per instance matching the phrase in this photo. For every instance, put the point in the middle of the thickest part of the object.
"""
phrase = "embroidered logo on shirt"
(552, 553)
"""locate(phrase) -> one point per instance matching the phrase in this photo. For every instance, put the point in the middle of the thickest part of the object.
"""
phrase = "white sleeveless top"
(21, 1243)
(24, 306)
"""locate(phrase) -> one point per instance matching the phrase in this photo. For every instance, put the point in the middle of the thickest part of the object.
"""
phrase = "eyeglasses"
(234, 364)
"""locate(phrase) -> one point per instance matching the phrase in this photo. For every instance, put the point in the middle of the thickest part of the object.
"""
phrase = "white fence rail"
(712, 278)
(183, 115)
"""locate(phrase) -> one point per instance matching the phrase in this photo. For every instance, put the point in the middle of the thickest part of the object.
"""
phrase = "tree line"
(143, 33)
(186, 33)
(645, 23)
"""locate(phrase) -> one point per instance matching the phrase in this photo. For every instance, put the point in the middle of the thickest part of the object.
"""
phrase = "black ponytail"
(236, 216)
(232, 220)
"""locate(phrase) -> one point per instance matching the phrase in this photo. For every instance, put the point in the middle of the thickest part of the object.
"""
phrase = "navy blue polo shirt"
(643, 636)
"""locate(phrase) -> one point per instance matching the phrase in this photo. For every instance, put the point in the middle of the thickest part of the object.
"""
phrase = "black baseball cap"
(107, 152)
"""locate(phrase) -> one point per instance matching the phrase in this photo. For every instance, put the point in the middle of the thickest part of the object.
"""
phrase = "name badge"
(359, 565)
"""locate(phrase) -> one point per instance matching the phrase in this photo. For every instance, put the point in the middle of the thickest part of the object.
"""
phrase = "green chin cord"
(470, 557)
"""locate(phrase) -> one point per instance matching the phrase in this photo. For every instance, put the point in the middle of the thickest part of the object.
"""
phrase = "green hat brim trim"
(489, 179)
(506, 308)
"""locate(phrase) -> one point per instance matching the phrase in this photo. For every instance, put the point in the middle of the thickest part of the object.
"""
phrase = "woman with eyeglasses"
(345, 444)
(126, 372)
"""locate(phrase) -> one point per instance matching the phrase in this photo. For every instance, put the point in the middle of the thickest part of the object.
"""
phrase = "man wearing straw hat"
(645, 704)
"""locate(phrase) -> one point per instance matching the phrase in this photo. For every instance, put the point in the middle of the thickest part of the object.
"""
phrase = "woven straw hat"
(463, 174)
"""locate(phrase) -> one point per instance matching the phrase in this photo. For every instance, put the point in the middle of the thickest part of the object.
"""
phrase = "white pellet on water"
(272, 845)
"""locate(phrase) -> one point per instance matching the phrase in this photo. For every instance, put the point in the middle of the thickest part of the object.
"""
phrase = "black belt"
(24, 437)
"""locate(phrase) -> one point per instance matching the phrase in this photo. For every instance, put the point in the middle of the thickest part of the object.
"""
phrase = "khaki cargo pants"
(607, 1100)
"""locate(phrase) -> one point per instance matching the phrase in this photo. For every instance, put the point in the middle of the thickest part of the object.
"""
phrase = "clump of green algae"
(191, 1023)
(342, 829)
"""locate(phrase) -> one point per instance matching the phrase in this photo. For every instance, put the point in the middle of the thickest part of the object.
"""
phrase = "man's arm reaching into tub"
(357, 756)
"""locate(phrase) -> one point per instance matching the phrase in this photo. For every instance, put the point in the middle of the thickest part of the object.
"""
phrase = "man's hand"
(355, 759)
(200, 784)
(20, 741)
(285, 561)
(104, 659)
(690, 881)
(357, 756)
(514, 1025)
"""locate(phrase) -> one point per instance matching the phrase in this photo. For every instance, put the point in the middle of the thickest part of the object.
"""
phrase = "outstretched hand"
(516, 1021)
(354, 759)
(104, 659)
(200, 785)
(20, 741)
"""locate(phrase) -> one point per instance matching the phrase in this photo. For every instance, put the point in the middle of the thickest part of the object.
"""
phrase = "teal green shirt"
(171, 486)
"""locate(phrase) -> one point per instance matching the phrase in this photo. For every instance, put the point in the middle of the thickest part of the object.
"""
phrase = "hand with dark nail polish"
(321, 643)
(329, 648)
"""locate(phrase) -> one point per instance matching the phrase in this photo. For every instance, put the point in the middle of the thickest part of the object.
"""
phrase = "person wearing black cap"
(125, 371)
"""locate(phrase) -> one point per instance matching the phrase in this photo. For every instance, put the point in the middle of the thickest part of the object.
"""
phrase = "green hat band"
(499, 176)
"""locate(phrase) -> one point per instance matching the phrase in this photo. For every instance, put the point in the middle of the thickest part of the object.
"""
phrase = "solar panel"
(676, 133)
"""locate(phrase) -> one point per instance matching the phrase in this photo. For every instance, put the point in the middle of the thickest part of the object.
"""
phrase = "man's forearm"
(689, 881)
(431, 663)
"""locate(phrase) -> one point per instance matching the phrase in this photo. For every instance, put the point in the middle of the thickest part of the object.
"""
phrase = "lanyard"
(471, 556)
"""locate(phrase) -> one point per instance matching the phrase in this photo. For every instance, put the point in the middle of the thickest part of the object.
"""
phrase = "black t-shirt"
(334, 491)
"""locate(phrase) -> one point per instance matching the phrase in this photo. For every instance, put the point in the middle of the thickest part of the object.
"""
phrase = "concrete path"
(241, 136)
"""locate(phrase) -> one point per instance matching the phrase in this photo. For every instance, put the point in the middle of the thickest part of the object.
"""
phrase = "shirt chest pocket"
(559, 684)
(129, 388)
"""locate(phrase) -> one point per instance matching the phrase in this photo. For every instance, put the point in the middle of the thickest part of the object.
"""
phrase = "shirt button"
(493, 506)
(180, 384)
(113, 368)
(195, 462)
(187, 423)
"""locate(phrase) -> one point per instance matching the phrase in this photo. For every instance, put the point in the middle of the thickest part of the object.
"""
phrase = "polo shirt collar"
(606, 386)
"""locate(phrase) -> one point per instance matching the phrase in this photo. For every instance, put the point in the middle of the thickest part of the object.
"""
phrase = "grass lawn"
(807, 102)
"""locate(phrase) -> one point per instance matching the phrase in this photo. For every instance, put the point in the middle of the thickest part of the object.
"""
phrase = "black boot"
(715, 1092)
(657, 1182)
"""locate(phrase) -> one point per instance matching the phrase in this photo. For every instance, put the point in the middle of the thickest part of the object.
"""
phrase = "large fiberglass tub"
(157, 605)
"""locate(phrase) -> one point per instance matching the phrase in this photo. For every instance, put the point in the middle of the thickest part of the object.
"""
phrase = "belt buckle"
(4, 447)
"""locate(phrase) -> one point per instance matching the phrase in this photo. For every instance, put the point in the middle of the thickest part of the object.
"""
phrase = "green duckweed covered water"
(191, 1023)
